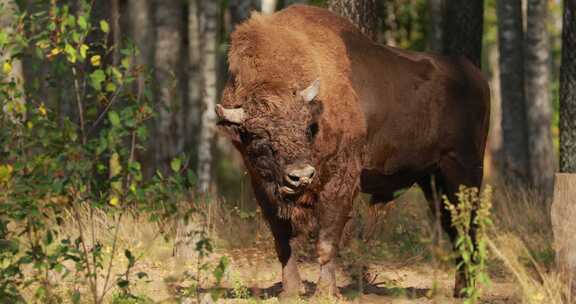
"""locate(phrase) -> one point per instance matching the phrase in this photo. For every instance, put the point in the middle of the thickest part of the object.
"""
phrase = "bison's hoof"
(288, 296)
(327, 294)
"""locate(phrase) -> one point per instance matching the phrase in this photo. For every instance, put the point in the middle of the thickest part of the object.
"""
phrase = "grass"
(399, 236)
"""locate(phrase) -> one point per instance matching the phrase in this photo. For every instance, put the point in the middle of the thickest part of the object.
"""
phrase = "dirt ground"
(257, 272)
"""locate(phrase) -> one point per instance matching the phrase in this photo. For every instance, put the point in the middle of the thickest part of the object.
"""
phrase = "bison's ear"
(309, 93)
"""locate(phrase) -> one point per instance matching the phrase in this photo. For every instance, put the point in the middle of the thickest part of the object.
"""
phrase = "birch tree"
(514, 132)
(538, 104)
(167, 60)
(268, 6)
(210, 13)
(193, 98)
(142, 34)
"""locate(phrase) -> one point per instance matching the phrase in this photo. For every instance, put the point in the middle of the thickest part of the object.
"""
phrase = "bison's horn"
(236, 116)
(309, 93)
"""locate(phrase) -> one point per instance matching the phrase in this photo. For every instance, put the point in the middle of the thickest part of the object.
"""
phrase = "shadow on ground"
(349, 291)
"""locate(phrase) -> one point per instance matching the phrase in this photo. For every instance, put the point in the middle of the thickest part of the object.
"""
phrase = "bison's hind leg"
(447, 181)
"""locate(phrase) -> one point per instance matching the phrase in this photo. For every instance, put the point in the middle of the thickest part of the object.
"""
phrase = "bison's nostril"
(293, 178)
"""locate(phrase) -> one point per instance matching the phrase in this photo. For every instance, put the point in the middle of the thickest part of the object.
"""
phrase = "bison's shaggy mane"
(271, 56)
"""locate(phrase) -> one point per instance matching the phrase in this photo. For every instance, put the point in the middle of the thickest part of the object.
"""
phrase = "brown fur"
(387, 118)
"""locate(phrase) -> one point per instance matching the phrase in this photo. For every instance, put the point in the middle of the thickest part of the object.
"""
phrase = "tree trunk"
(515, 138)
(568, 90)
(240, 10)
(141, 33)
(268, 6)
(563, 213)
(463, 27)
(495, 135)
(194, 96)
(564, 206)
(435, 9)
(361, 13)
(390, 24)
(290, 2)
(167, 62)
(210, 12)
(116, 31)
(15, 73)
(538, 105)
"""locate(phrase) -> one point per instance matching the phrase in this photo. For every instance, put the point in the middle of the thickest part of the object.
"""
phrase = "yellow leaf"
(114, 201)
(115, 166)
(83, 50)
(42, 44)
(55, 51)
(30, 125)
(96, 60)
(7, 67)
(42, 109)
(5, 173)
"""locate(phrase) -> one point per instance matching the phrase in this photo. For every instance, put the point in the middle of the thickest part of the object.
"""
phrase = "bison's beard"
(289, 206)
(300, 209)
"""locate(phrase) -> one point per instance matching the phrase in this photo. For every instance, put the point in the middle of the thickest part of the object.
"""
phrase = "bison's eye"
(312, 131)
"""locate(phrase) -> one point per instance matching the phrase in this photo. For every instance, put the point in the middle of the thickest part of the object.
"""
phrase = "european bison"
(319, 113)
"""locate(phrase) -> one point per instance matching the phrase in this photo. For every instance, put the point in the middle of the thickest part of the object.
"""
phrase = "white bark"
(495, 136)
(210, 12)
(192, 113)
(268, 6)
(538, 104)
(167, 61)
(514, 127)
(141, 33)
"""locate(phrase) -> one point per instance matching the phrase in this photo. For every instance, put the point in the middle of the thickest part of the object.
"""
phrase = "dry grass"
(399, 234)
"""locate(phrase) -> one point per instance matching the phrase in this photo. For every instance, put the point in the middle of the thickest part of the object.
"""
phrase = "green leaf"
(176, 164)
(114, 119)
(96, 79)
(71, 53)
(82, 22)
(75, 297)
(104, 26)
(111, 87)
(3, 38)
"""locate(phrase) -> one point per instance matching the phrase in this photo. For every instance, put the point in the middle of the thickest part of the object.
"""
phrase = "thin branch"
(85, 251)
(79, 104)
(106, 288)
(101, 116)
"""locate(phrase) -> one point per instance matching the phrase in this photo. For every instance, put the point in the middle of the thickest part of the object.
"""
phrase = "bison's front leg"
(291, 282)
(332, 221)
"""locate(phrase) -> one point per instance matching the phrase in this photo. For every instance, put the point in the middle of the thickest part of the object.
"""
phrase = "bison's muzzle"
(297, 178)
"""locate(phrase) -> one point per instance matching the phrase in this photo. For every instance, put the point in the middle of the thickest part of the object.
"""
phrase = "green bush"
(69, 139)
